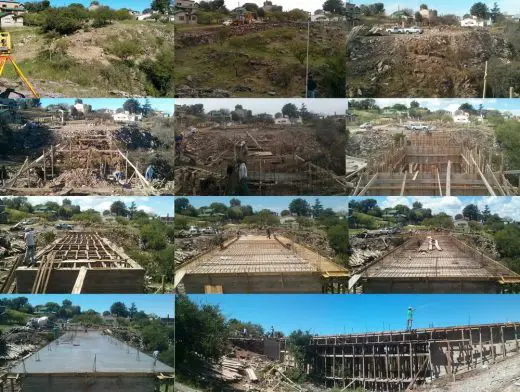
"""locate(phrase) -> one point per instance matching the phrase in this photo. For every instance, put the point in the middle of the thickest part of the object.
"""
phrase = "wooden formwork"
(436, 164)
(81, 262)
(399, 360)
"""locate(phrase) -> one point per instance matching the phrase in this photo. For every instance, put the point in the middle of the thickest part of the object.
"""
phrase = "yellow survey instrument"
(6, 47)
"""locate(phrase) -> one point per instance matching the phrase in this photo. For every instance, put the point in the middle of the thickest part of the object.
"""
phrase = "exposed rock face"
(445, 61)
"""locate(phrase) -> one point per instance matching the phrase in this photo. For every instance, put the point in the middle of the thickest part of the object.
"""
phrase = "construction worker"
(268, 233)
(148, 174)
(243, 152)
(156, 354)
(30, 246)
(242, 178)
(231, 181)
(311, 87)
(3, 175)
(409, 322)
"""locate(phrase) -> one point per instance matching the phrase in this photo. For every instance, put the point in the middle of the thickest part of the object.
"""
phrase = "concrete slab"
(90, 352)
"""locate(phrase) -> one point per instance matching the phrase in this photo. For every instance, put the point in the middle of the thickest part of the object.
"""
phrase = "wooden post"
(503, 341)
(492, 345)
(44, 169)
(52, 161)
(485, 80)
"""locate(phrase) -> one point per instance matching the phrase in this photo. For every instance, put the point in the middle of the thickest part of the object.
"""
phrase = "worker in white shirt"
(242, 177)
(30, 246)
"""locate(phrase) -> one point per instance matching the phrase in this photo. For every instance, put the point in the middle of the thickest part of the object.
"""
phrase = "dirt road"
(502, 377)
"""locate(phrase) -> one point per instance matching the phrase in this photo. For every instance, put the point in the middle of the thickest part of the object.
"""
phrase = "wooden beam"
(482, 177)
(439, 182)
(363, 191)
(501, 190)
(448, 179)
(403, 185)
(78, 285)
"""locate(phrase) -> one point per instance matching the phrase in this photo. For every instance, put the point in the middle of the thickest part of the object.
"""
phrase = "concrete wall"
(384, 286)
(87, 383)
(243, 284)
(100, 281)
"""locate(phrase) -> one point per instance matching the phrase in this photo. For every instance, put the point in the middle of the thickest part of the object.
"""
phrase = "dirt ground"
(444, 61)
(501, 377)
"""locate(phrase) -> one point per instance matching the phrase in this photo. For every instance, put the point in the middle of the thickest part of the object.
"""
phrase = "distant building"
(12, 7)
(473, 21)
(94, 6)
(461, 117)
(127, 117)
(461, 225)
(185, 12)
(8, 20)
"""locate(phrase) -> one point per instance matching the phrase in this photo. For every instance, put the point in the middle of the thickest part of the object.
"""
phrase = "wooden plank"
(78, 285)
(439, 182)
(363, 191)
(403, 184)
(496, 180)
(483, 178)
(448, 180)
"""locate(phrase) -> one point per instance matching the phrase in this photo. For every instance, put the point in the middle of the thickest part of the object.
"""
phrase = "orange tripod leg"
(24, 79)
(3, 60)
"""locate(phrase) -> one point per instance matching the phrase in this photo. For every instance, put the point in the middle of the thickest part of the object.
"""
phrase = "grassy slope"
(74, 74)
(272, 46)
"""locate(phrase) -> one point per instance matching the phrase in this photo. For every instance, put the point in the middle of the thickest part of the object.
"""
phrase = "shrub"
(159, 73)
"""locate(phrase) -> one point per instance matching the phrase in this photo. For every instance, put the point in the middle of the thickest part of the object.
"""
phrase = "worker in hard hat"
(30, 246)
(409, 322)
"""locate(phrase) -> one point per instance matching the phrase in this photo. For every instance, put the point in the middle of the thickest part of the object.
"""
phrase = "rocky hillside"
(119, 60)
(444, 61)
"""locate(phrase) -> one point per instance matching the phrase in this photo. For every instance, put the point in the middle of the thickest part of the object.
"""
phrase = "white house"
(127, 117)
(147, 16)
(474, 22)
(10, 20)
(282, 121)
(79, 107)
(319, 18)
(461, 224)
(461, 117)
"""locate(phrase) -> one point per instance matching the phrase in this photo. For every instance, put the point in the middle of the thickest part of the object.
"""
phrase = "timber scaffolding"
(434, 164)
(256, 264)
(90, 158)
(269, 172)
(399, 360)
(77, 263)
(434, 263)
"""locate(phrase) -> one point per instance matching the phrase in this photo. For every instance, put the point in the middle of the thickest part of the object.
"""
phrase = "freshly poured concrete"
(76, 354)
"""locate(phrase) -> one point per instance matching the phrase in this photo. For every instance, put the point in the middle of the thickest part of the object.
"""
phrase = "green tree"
(338, 238)
(480, 10)
(132, 105)
(317, 208)
(290, 110)
(162, 6)
(199, 331)
(119, 309)
(334, 6)
(472, 212)
(300, 207)
(234, 202)
(132, 310)
(118, 208)
(494, 13)
(181, 204)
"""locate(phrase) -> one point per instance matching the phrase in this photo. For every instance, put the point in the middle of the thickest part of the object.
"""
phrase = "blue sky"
(505, 206)
(459, 7)
(502, 104)
(161, 305)
(273, 203)
(338, 314)
(163, 104)
(138, 5)
(159, 205)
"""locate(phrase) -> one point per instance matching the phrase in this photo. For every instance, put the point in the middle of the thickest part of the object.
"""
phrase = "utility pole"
(308, 44)
(485, 80)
